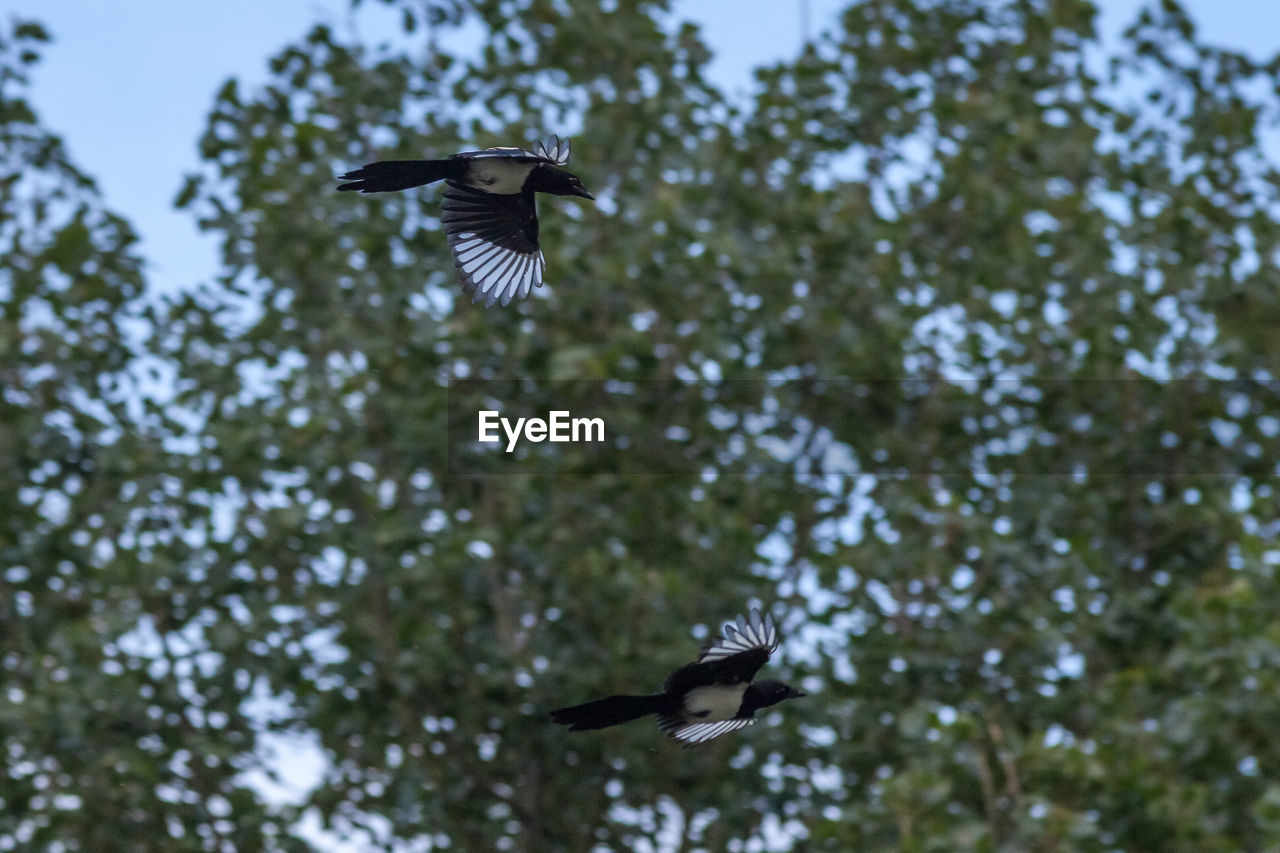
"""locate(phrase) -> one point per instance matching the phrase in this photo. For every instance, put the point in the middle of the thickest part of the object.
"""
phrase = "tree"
(101, 737)
(964, 332)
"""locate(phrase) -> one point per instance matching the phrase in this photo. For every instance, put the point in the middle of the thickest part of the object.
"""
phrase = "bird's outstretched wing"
(519, 154)
(749, 633)
(733, 659)
(494, 240)
(555, 150)
(695, 733)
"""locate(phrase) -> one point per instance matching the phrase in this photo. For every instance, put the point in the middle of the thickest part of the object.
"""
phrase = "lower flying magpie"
(489, 215)
(701, 700)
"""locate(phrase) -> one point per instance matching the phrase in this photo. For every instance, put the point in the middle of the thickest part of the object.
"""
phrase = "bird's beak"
(796, 694)
(581, 191)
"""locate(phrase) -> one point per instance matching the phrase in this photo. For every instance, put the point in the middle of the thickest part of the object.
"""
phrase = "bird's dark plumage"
(704, 699)
(489, 214)
(387, 176)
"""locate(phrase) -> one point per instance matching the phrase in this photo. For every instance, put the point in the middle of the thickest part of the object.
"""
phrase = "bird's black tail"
(612, 711)
(390, 175)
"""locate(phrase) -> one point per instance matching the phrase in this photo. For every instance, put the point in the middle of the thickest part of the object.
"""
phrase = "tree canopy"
(953, 346)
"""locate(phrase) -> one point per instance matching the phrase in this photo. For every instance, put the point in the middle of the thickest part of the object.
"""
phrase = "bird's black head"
(549, 179)
(766, 693)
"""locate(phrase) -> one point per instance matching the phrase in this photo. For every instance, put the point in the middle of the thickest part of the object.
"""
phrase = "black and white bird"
(489, 215)
(701, 700)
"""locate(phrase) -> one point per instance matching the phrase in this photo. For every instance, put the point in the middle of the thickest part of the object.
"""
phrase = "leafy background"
(1008, 301)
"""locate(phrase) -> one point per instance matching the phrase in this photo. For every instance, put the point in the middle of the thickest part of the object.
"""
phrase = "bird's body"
(713, 702)
(704, 699)
(504, 173)
(489, 214)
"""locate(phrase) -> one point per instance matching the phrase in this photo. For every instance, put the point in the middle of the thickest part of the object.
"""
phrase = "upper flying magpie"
(702, 700)
(489, 217)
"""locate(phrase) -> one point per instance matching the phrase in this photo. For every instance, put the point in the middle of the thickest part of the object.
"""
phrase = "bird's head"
(772, 692)
(550, 179)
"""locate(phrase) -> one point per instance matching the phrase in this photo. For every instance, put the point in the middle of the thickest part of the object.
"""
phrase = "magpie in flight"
(702, 700)
(489, 217)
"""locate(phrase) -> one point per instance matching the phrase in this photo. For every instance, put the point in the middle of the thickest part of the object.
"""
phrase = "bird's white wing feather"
(693, 733)
(554, 149)
(494, 242)
(749, 632)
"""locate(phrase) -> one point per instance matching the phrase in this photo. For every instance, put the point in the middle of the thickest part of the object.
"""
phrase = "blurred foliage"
(1008, 303)
(104, 745)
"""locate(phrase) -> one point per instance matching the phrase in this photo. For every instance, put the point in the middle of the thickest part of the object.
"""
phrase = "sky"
(128, 84)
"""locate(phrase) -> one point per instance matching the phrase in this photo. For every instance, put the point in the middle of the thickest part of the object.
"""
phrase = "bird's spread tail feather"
(610, 711)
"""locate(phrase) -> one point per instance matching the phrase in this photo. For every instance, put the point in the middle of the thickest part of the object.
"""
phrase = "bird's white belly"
(499, 175)
(714, 703)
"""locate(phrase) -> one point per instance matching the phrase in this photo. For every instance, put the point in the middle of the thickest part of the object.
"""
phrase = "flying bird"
(489, 215)
(701, 700)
